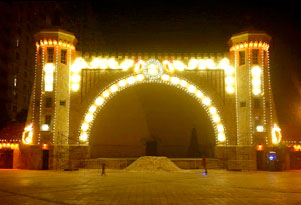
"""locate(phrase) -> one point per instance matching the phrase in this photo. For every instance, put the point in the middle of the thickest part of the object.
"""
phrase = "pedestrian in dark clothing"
(103, 171)
(205, 164)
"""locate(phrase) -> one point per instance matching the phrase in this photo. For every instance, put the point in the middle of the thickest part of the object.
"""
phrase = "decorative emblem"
(152, 69)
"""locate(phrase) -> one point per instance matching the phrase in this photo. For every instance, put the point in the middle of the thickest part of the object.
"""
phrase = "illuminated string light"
(134, 79)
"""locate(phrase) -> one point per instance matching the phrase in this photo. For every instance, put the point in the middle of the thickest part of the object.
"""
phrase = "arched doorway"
(105, 95)
(152, 119)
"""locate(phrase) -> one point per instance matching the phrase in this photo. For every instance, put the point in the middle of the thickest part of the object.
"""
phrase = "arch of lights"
(152, 74)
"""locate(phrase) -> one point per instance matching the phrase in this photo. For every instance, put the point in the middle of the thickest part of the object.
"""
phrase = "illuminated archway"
(105, 95)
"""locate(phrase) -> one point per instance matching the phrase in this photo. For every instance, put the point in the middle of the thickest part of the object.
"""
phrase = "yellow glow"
(75, 87)
(212, 110)
(230, 89)
(256, 71)
(83, 136)
(183, 83)
(256, 91)
(99, 63)
(140, 77)
(48, 79)
(92, 109)
(221, 137)
(45, 127)
(191, 88)
(27, 135)
(85, 126)
(229, 70)
(224, 63)
(193, 63)
(112, 63)
(106, 94)
(131, 80)
(174, 80)
(89, 117)
(99, 101)
(199, 94)
(165, 77)
(276, 134)
(210, 64)
(75, 78)
(229, 80)
(259, 128)
(178, 65)
(216, 118)
(49, 68)
(139, 66)
(256, 80)
(202, 64)
(48, 88)
(122, 83)
(114, 88)
(168, 66)
(220, 128)
(206, 101)
(126, 64)
(78, 64)
(152, 70)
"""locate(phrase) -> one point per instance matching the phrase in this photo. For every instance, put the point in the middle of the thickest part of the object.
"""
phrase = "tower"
(254, 103)
(48, 119)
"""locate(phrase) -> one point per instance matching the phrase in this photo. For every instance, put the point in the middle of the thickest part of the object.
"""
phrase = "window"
(255, 53)
(62, 102)
(50, 52)
(256, 103)
(63, 56)
(17, 56)
(18, 43)
(242, 58)
(48, 102)
(243, 104)
(48, 120)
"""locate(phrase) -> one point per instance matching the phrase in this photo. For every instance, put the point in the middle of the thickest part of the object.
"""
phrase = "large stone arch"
(113, 88)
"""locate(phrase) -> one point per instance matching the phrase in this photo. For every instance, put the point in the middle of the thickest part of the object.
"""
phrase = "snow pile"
(152, 164)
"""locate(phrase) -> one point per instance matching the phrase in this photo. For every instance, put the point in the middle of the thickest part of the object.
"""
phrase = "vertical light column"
(250, 97)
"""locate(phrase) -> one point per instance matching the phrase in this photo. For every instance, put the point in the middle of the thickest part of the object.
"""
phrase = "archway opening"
(152, 119)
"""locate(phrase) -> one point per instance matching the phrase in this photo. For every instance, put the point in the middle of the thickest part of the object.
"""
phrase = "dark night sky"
(196, 27)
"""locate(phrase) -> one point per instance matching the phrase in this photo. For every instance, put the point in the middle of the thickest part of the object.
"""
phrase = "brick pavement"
(119, 187)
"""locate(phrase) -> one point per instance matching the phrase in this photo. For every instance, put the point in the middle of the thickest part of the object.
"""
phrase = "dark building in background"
(19, 22)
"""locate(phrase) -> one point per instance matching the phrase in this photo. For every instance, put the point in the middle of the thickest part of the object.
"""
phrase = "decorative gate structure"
(71, 88)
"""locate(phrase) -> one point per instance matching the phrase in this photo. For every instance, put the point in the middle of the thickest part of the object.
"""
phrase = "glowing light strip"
(250, 97)
(54, 42)
(270, 92)
(236, 100)
(114, 88)
(251, 44)
(55, 97)
(263, 94)
(41, 94)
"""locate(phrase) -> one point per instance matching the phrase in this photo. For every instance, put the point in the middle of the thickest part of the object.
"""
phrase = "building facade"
(72, 90)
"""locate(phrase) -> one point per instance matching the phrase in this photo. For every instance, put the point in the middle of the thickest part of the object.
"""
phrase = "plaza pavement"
(120, 187)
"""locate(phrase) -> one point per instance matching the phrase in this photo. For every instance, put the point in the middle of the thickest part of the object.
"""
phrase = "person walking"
(103, 170)
(205, 164)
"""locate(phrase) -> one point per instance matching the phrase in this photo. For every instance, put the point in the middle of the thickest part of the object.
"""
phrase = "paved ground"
(119, 187)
